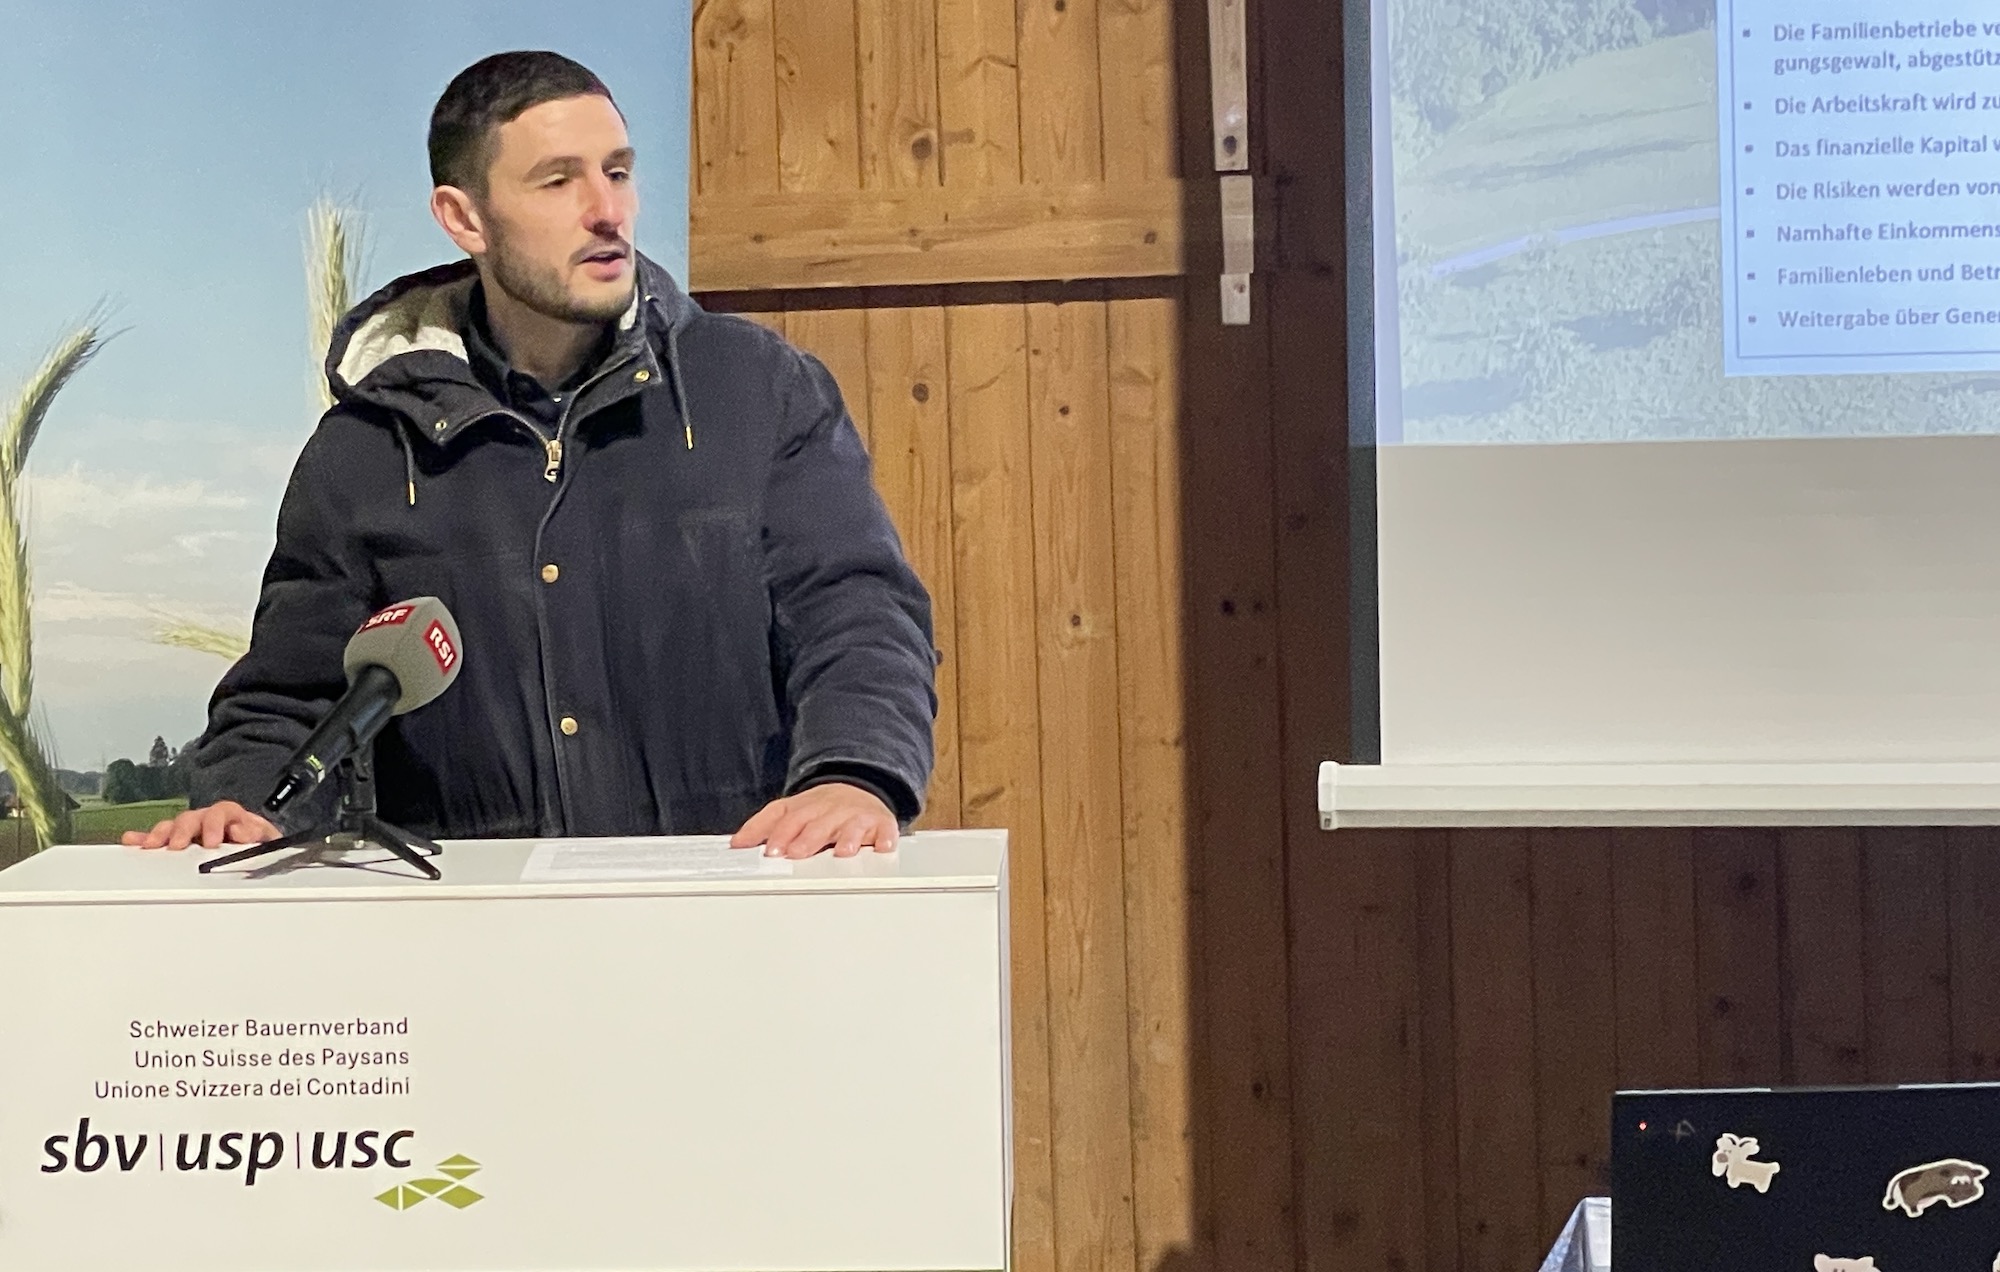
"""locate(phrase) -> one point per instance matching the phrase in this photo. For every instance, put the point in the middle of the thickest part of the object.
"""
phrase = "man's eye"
(620, 174)
(553, 182)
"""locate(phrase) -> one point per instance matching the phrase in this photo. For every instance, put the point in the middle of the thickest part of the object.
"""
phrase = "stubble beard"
(541, 287)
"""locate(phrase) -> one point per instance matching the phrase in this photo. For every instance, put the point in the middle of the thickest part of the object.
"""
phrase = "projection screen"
(1678, 383)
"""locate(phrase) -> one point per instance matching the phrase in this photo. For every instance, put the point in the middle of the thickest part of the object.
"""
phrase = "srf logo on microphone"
(390, 617)
(439, 642)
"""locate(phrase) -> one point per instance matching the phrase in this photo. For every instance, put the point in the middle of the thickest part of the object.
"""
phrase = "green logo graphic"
(448, 1186)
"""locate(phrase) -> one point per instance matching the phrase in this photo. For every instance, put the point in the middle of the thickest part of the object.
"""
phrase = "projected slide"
(1862, 218)
(1613, 220)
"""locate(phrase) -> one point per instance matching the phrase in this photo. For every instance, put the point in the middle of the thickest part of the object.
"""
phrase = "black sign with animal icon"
(1844, 1179)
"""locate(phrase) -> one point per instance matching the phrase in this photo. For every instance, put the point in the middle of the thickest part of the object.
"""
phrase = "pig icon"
(1953, 1182)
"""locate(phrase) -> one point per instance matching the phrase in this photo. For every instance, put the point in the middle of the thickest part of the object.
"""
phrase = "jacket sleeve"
(853, 621)
(314, 595)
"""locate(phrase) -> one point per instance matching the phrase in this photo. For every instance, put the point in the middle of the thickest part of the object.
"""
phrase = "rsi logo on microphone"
(391, 617)
(438, 640)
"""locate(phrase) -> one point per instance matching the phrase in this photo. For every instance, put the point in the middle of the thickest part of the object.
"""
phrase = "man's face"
(559, 210)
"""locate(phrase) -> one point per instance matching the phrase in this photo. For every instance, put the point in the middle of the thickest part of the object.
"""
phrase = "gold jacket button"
(642, 375)
(550, 574)
(569, 726)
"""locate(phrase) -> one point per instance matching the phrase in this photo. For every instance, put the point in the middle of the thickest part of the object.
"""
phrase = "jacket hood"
(409, 330)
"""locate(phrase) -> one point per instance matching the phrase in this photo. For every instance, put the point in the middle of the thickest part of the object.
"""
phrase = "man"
(682, 604)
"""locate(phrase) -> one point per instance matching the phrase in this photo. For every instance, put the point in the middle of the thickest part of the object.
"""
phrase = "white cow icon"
(1821, 1263)
(1732, 1162)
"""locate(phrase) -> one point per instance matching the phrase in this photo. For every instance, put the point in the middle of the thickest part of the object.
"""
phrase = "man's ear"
(457, 214)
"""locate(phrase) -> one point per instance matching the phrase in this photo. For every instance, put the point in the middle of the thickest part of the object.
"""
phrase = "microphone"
(399, 660)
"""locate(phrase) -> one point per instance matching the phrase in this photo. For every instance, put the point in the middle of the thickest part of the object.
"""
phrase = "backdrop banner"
(196, 189)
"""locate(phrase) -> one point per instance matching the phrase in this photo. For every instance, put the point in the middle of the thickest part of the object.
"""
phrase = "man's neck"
(549, 349)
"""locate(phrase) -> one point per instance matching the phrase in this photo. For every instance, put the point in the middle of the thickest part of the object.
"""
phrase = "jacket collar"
(403, 349)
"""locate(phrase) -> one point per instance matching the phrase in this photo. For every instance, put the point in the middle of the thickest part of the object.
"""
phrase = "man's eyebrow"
(554, 164)
(571, 164)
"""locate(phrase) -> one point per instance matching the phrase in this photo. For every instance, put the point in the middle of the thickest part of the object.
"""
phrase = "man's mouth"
(611, 254)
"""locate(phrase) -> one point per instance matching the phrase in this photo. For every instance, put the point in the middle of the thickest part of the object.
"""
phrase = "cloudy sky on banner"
(159, 160)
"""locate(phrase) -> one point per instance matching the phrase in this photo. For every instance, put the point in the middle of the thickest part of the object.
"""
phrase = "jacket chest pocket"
(718, 548)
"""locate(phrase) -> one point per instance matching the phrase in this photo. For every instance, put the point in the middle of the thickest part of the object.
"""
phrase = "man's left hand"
(845, 817)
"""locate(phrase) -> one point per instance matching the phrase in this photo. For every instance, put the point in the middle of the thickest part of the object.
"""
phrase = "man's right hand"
(225, 823)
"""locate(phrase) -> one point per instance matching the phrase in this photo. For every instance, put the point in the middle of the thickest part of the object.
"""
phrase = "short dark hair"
(494, 91)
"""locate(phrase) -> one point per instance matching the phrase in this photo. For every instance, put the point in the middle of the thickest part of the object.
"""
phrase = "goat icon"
(1732, 1163)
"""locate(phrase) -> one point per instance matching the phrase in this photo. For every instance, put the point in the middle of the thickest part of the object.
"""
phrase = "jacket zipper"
(554, 445)
(552, 473)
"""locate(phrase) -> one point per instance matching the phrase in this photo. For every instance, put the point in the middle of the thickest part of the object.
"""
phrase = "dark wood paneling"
(1825, 973)
(1358, 1165)
(1657, 1013)
(1493, 1002)
(1973, 857)
(1576, 1034)
(1736, 936)
(1906, 917)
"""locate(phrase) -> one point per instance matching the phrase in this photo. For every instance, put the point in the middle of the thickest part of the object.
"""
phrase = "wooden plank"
(1067, 232)
(1411, 1228)
(1145, 400)
(998, 704)
(1299, 56)
(1062, 134)
(1357, 1032)
(1975, 953)
(899, 99)
(1136, 57)
(1576, 1033)
(819, 152)
(1075, 592)
(1736, 918)
(838, 338)
(1430, 854)
(819, 142)
(1492, 951)
(735, 102)
(909, 426)
(993, 504)
(1236, 728)
(1143, 352)
(1819, 872)
(979, 95)
(1659, 1002)
(1068, 362)
(1229, 84)
(1909, 954)
(769, 319)
(1307, 317)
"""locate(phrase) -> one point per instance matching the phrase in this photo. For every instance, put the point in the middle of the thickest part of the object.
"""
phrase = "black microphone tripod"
(356, 821)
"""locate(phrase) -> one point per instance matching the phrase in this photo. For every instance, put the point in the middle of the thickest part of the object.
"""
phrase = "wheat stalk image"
(22, 750)
(334, 262)
(225, 645)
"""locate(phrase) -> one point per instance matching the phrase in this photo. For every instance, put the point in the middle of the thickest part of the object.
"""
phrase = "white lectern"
(565, 1056)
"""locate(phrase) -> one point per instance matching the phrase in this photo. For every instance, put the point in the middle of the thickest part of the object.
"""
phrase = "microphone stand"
(356, 820)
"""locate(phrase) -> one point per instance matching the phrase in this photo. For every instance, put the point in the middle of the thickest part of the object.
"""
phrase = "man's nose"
(602, 213)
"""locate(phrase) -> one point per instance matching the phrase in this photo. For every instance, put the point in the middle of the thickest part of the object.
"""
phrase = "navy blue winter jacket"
(687, 602)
